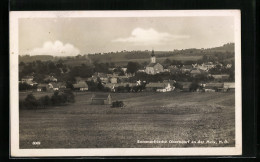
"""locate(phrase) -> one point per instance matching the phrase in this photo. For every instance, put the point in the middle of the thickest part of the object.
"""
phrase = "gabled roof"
(214, 85)
(229, 84)
(80, 84)
(187, 67)
(81, 79)
(152, 64)
(100, 96)
(156, 85)
(50, 78)
(195, 71)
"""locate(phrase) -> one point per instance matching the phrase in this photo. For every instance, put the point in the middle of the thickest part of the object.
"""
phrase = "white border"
(14, 110)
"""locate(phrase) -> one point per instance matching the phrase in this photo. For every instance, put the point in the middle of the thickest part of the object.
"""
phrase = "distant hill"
(27, 58)
(122, 57)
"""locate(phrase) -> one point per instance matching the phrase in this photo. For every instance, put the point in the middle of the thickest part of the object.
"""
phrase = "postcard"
(125, 83)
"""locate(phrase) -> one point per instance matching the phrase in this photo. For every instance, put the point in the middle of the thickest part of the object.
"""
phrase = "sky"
(73, 36)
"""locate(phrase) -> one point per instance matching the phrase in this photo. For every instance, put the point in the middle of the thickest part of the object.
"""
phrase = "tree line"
(30, 102)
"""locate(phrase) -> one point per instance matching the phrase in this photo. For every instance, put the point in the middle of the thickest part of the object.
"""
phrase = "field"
(175, 116)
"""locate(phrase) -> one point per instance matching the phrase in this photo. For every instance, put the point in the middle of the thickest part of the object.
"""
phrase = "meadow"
(175, 116)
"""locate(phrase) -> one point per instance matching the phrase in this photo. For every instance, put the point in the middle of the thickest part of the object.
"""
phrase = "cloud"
(56, 48)
(149, 37)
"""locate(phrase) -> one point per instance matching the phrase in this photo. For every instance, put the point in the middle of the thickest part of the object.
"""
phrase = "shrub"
(117, 104)
(30, 102)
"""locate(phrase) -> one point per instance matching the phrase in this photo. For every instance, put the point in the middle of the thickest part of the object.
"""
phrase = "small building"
(81, 86)
(229, 86)
(113, 80)
(159, 87)
(101, 99)
(194, 72)
(80, 79)
(42, 87)
(57, 86)
(220, 76)
(213, 87)
(27, 79)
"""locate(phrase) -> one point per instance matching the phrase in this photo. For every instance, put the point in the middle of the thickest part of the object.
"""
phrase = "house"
(102, 76)
(27, 79)
(101, 99)
(124, 69)
(172, 82)
(119, 86)
(153, 67)
(213, 87)
(42, 87)
(113, 80)
(202, 67)
(209, 65)
(81, 86)
(220, 76)
(229, 86)
(50, 79)
(79, 79)
(194, 72)
(159, 87)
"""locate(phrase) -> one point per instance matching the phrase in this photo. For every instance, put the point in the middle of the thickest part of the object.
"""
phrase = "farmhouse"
(28, 80)
(116, 86)
(113, 80)
(229, 86)
(101, 99)
(80, 86)
(159, 87)
(80, 79)
(220, 76)
(153, 67)
(42, 87)
(56, 86)
(213, 87)
(195, 72)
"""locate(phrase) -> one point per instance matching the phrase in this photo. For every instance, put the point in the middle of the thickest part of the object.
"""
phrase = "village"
(123, 81)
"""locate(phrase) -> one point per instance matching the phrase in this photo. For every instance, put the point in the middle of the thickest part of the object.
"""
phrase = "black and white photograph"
(125, 83)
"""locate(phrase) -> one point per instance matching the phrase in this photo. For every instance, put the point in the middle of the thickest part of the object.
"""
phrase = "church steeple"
(152, 53)
(153, 59)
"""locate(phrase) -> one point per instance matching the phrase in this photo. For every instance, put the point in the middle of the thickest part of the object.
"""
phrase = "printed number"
(36, 143)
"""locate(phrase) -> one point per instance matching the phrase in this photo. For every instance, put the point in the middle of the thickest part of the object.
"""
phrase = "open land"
(176, 116)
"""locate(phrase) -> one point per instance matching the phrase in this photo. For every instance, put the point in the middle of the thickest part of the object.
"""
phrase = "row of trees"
(30, 102)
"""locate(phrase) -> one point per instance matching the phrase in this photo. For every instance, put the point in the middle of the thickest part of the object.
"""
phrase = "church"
(153, 67)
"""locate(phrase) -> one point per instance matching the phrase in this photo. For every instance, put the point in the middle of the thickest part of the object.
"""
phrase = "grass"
(147, 116)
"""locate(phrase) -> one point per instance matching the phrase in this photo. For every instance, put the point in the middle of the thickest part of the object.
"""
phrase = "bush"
(31, 102)
(117, 104)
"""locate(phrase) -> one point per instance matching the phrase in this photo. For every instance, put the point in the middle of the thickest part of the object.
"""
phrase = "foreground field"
(176, 117)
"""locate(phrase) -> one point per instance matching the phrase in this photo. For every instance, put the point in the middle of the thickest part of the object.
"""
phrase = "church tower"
(153, 59)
